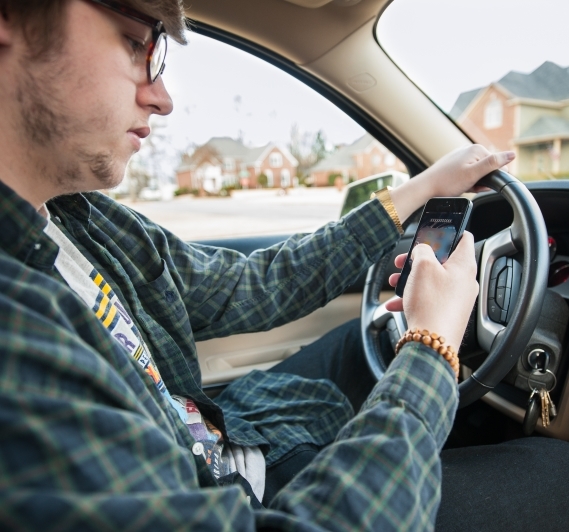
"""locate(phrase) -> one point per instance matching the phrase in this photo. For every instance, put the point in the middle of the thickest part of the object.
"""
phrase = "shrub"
(332, 178)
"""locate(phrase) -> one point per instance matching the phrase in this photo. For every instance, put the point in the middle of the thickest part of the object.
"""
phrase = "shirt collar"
(22, 227)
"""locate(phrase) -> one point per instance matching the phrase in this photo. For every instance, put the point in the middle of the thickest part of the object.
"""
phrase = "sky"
(470, 44)
(220, 91)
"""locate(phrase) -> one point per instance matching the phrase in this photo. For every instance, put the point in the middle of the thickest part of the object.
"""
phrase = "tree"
(152, 165)
(308, 148)
(319, 150)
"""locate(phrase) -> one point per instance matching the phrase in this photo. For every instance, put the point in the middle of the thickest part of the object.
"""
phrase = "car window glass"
(249, 150)
(499, 69)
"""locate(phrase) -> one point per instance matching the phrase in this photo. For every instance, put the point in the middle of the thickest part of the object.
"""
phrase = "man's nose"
(155, 96)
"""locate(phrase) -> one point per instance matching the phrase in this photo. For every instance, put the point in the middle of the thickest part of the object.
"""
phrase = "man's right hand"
(439, 297)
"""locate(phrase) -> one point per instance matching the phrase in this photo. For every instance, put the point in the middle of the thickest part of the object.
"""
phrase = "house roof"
(549, 82)
(226, 147)
(463, 102)
(545, 127)
(255, 154)
(343, 158)
(258, 155)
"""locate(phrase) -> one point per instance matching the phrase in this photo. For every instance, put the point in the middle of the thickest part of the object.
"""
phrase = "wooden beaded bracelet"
(434, 341)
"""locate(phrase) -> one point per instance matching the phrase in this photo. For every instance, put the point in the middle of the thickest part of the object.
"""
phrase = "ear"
(6, 29)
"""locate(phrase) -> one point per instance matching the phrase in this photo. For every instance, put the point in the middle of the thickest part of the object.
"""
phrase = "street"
(245, 213)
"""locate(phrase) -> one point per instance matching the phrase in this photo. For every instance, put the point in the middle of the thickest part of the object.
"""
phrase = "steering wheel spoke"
(394, 322)
(492, 314)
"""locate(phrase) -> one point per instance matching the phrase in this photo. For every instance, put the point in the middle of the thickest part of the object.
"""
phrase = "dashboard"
(491, 214)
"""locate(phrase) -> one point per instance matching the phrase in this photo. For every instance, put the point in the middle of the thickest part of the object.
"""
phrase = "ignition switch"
(538, 359)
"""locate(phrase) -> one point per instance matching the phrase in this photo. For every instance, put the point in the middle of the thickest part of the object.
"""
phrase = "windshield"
(499, 69)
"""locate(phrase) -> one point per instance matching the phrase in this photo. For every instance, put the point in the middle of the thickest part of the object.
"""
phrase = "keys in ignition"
(552, 408)
(543, 395)
(533, 410)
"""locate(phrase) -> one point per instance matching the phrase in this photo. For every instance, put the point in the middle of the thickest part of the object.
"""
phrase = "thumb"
(493, 162)
(464, 252)
(423, 252)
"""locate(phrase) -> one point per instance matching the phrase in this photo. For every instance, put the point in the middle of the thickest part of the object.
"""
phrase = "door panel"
(225, 359)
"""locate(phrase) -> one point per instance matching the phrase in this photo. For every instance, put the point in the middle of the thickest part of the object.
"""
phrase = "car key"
(552, 407)
(544, 407)
(533, 410)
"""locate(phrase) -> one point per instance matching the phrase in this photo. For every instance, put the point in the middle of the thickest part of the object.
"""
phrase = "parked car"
(358, 192)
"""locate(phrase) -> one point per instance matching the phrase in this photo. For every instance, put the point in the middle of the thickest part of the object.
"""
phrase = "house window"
(376, 160)
(285, 178)
(275, 160)
(493, 114)
(389, 160)
(270, 178)
(228, 164)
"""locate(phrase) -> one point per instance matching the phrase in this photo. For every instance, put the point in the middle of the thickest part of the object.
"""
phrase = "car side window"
(248, 151)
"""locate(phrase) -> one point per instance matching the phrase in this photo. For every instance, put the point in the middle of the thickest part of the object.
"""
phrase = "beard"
(49, 125)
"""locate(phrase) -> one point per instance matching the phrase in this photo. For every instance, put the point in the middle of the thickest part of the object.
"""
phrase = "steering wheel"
(503, 336)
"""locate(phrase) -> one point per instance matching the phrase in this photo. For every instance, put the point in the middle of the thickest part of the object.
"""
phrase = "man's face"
(85, 110)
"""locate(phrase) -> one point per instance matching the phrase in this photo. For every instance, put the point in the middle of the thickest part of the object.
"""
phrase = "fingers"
(479, 188)
(394, 305)
(400, 260)
(494, 161)
(394, 279)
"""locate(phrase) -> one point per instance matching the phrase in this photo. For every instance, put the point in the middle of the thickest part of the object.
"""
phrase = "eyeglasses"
(156, 53)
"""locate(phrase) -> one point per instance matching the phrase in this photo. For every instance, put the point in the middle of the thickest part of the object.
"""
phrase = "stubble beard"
(48, 126)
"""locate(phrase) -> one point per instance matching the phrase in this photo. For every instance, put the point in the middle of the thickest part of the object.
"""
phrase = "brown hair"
(42, 20)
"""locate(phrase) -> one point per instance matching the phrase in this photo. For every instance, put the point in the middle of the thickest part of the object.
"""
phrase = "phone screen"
(438, 228)
(439, 233)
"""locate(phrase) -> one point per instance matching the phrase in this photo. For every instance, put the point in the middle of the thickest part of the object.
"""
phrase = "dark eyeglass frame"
(156, 25)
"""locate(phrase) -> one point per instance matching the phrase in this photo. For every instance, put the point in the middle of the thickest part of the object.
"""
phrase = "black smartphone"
(441, 225)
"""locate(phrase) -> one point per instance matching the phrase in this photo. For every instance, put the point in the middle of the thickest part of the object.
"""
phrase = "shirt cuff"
(423, 382)
(373, 228)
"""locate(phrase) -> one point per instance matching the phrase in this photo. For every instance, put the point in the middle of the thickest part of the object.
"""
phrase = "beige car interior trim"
(296, 33)
(393, 103)
(224, 359)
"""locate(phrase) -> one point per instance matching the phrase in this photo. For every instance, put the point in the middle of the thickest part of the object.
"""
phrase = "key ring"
(537, 371)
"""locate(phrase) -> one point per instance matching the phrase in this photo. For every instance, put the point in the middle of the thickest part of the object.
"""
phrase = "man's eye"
(139, 48)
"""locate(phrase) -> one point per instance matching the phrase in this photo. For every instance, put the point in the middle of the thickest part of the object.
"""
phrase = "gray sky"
(220, 91)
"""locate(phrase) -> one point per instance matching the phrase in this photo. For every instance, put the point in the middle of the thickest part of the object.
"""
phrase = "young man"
(103, 421)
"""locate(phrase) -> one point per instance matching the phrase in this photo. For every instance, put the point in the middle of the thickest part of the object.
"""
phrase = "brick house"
(527, 113)
(364, 157)
(225, 162)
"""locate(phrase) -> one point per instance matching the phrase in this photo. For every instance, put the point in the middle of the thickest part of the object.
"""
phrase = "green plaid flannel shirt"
(88, 443)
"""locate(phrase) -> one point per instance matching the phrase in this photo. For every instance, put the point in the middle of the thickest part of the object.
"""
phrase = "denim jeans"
(518, 485)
